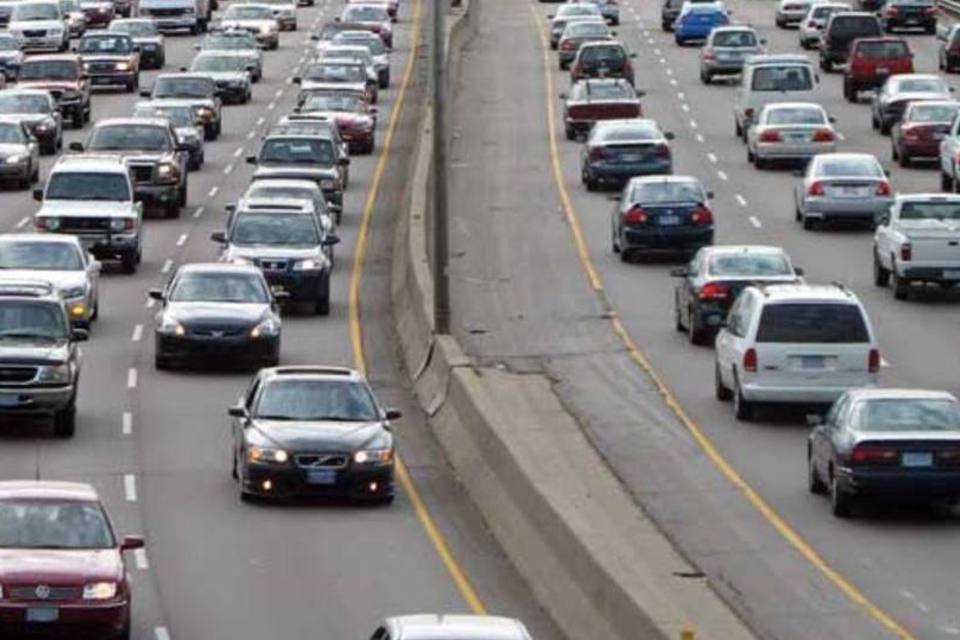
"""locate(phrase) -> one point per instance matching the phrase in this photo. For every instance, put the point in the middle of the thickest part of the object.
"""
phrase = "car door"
(730, 338)
(240, 424)
(92, 267)
(821, 440)
(686, 292)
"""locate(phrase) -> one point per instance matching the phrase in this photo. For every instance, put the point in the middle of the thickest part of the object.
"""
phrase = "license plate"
(668, 221)
(852, 191)
(812, 362)
(913, 21)
(42, 614)
(797, 137)
(951, 274)
(917, 459)
(631, 157)
(321, 476)
(883, 70)
(103, 80)
(9, 400)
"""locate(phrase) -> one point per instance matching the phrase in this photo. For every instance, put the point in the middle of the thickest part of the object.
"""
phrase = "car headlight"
(15, 159)
(59, 373)
(309, 264)
(327, 184)
(267, 455)
(373, 456)
(265, 29)
(49, 223)
(171, 326)
(117, 224)
(168, 172)
(99, 590)
(267, 328)
(205, 113)
(123, 66)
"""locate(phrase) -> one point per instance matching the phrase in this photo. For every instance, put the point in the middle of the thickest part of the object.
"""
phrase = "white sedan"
(790, 131)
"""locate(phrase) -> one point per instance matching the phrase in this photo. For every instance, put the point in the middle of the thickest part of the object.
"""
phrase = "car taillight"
(816, 189)
(910, 131)
(748, 113)
(906, 252)
(597, 153)
(566, 45)
(636, 215)
(873, 361)
(714, 291)
(701, 215)
(770, 135)
(662, 151)
(864, 455)
(750, 360)
(883, 188)
(823, 135)
(708, 54)
(812, 24)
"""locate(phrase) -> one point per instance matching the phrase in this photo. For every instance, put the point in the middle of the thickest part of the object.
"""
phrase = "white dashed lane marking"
(721, 174)
(261, 120)
(227, 169)
(182, 240)
(161, 633)
(741, 200)
(213, 191)
(700, 138)
(167, 265)
(238, 152)
(198, 212)
(130, 487)
(712, 158)
(693, 124)
(132, 378)
(23, 222)
(754, 221)
(137, 333)
(126, 423)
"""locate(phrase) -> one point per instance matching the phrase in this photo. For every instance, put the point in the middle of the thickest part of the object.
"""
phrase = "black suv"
(39, 357)
(909, 14)
(841, 30)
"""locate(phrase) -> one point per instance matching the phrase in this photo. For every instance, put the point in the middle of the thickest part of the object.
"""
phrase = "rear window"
(933, 113)
(930, 211)
(749, 265)
(878, 49)
(796, 115)
(921, 85)
(855, 26)
(850, 168)
(628, 132)
(672, 191)
(610, 91)
(610, 55)
(812, 322)
(908, 414)
(735, 39)
(783, 78)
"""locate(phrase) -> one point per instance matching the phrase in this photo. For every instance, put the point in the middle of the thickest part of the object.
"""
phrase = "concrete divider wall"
(592, 558)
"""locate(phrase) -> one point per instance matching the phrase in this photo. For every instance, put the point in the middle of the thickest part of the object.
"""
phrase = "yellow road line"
(728, 470)
(437, 539)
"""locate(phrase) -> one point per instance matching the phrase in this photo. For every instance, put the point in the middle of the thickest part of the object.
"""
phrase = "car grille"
(321, 460)
(253, 30)
(84, 223)
(217, 332)
(54, 594)
(57, 94)
(166, 13)
(102, 67)
(142, 172)
(273, 265)
(17, 375)
(35, 33)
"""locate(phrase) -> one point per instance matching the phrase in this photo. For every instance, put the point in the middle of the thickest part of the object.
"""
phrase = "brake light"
(701, 215)
(662, 151)
(910, 131)
(823, 135)
(873, 361)
(566, 45)
(748, 113)
(714, 291)
(770, 135)
(863, 455)
(708, 54)
(812, 24)
(906, 252)
(883, 188)
(597, 153)
(816, 189)
(750, 360)
(636, 215)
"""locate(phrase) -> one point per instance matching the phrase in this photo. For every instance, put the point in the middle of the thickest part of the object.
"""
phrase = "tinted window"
(336, 73)
(62, 70)
(374, 44)
(881, 49)
(603, 55)
(178, 116)
(365, 14)
(317, 400)
(585, 29)
(173, 87)
(23, 103)
(218, 63)
(53, 525)
(610, 90)
(673, 191)
(35, 12)
(246, 12)
(333, 102)
(274, 229)
(135, 28)
(130, 137)
(908, 414)
(245, 41)
(105, 44)
(44, 256)
(748, 264)
(32, 320)
(933, 113)
(785, 78)
(11, 133)
(88, 186)
(934, 85)
(795, 115)
(297, 150)
(219, 287)
(849, 167)
(854, 26)
(814, 322)
(930, 211)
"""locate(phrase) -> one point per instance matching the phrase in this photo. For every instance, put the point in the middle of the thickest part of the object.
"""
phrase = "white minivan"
(794, 344)
(772, 78)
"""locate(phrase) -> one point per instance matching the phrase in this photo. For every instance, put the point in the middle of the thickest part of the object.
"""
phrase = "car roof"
(621, 122)
(873, 393)
(307, 135)
(661, 179)
(933, 103)
(156, 122)
(91, 161)
(462, 627)
(777, 58)
(793, 105)
(927, 197)
(47, 490)
(274, 204)
(53, 57)
(251, 4)
(328, 372)
(25, 90)
(732, 27)
(900, 77)
(285, 182)
(742, 248)
(845, 155)
(803, 292)
(184, 75)
(218, 267)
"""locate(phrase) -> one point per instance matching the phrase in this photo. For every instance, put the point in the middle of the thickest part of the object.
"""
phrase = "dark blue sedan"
(696, 21)
(618, 150)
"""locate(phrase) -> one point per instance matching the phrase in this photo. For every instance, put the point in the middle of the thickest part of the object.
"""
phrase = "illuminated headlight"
(15, 159)
(44, 125)
(168, 172)
(54, 373)
(268, 455)
(77, 309)
(123, 66)
(171, 326)
(205, 113)
(307, 265)
(328, 184)
(266, 328)
(99, 590)
(373, 456)
(48, 223)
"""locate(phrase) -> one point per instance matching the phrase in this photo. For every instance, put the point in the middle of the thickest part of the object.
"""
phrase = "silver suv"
(91, 196)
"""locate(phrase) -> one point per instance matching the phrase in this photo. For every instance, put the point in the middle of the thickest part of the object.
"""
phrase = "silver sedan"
(843, 187)
(790, 131)
(725, 50)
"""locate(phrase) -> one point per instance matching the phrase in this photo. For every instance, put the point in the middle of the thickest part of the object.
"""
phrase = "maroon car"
(919, 132)
(62, 571)
(355, 117)
(63, 76)
(370, 17)
(598, 99)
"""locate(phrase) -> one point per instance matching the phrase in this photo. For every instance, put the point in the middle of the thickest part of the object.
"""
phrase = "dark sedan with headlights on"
(19, 153)
(617, 150)
(886, 444)
(216, 311)
(716, 276)
(200, 90)
(312, 431)
(38, 110)
(147, 39)
(598, 99)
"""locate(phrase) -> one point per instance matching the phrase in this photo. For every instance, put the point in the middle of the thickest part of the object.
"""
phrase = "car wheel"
(904, 160)
(125, 632)
(677, 322)
(35, 176)
(881, 275)
(571, 134)
(850, 92)
(940, 64)
(705, 77)
(696, 332)
(809, 224)
(742, 408)
(242, 493)
(24, 183)
(128, 263)
(884, 128)
(759, 162)
(815, 485)
(48, 148)
(161, 363)
(65, 420)
(901, 286)
(722, 392)
(797, 214)
(737, 129)
(946, 182)
(172, 210)
(78, 119)
(323, 302)
(841, 502)
(614, 241)
(625, 255)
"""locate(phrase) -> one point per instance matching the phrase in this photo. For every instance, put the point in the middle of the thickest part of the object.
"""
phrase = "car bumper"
(290, 480)
(621, 172)
(239, 348)
(111, 79)
(88, 621)
(150, 56)
(846, 208)
(358, 140)
(915, 22)
(666, 239)
(155, 194)
(303, 286)
(723, 67)
(110, 247)
(690, 33)
(793, 151)
(287, 23)
(566, 57)
(945, 273)
(34, 400)
(11, 171)
(788, 17)
(922, 149)
(172, 23)
(900, 482)
(49, 43)
(70, 106)
(757, 391)
(270, 39)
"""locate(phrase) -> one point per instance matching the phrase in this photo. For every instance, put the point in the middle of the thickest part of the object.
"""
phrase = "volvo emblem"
(42, 591)
(217, 334)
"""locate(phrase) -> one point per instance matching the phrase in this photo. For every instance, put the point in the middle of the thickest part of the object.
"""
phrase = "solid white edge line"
(126, 423)
(132, 378)
(130, 487)
(140, 558)
(137, 333)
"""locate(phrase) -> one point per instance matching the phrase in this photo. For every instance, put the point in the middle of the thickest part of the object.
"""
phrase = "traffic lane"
(825, 255)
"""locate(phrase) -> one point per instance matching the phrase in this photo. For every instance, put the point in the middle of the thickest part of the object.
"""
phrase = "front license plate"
(917, 459)
(9, 400)
(321, 476)
(42, 614)
(668, 221)
(913, 21)
(951, 274)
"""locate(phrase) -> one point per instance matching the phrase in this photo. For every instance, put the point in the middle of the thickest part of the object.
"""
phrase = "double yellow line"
(436, 538)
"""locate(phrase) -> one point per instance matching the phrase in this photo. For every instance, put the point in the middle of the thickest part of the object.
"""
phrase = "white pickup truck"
(918, 242)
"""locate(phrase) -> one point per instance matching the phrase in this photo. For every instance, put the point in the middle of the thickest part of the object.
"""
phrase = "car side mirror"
(155, 294)
(679, 272)
(279, 294)
(336, 19)
(886, 172)
(798, 271)
(230, 208)
(613, 33)
(331, 240)
(238, 411)
(76, 146)
(182, 146)
(884, 219)
(633, 55)
(763, 41)
(393, 414)
(710, 195)
(669, 135)
(550, 16)
(343, 162)
(38, 194)
(251, 159)
(132, 542)
(297, 79)
(145, 93)
(79, 335)
(374, 110)
(219, 236)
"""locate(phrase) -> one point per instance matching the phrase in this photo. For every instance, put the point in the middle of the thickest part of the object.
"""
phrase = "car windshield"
(796, 115)
(883, 49)
(219, 287)
(667, 191)
(298, 151)
(351, 52)
(25, 11)
(106, 44)
(231, 42)
(921, 85)
(28, 319)
(49, 524)
(218, 63)
(178, 116)
(816, 322)
(849, 167)
(24, 103)
(824, 12)
(930, 211)
(336, 73)
(374, 43)
(748, 265)
(628, 133)
(67, 6)
(172, 87)
(11, 133)
(331, 29)
(908, 414)
(43, 256)
(586, 30)
(274, 229)
(735, 39)
(334, 102)
(135, 28)
(365, 14)
(608, 91)
(337, 400)
(247, 12)
(578, 9)
(129, 136)
(8, 43)
(43, 69)
(88, 186)
(933, 113)
(603, 55)
(783, 78)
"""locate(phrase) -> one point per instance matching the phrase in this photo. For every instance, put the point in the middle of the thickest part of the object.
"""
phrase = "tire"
(808, 223)
(815, 485)
(78, 119)
(720, 390)
(24, 183)
(901, 287)
(677, 324)
(48, 148)
(171, 210)
(742, 408)
(614, 243)
(946, 182)
(697, 335)
(161, 363)
(737, 129)
(884, 128)
(128, 263)
(130, 86)
(571, 134)
(678, 40)
(65, 421)
(904, 160)
(850, 92)
(323, 302)
(881, 275)
(760, 163)
(705, 77)
(841, 502)
(125, 633)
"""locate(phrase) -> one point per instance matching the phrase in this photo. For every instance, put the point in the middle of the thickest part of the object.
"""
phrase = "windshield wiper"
(275, 417)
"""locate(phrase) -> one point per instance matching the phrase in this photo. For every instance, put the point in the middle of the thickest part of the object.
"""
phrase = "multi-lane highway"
(536, 284)
(156, 444)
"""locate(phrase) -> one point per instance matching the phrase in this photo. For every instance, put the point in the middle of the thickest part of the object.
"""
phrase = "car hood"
(63, 85)
(147, 39)
(134, 155)
(216, 313)
(33, 350)
(86, 208)
(270, 252)
(310, 172)
(320, 435)
(59, 566)
(96, 5)
(63, 280)
(11, 148)
(193, 101)
(31, 25)
(29, 118)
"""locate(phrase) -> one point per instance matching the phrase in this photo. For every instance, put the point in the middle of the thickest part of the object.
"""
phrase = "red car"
(918, 134)
(64, 77)
(62, 571)
(371, 17)
(872, 61)
(355, 117)
(595, 99)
